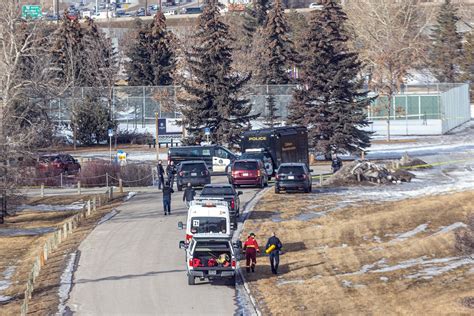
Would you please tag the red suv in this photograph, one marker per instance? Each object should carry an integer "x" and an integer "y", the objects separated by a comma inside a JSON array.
[
  {"x": 248, "y": 172},
  {"x": 57, "y": 164}
]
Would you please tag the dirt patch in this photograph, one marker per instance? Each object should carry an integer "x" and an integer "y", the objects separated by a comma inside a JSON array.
[
  {"x": 391, "y": 258},
  {"x": 20, "y": 252}
]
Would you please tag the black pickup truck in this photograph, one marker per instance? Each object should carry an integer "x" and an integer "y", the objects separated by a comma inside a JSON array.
[{"x": 225, "y": 192}]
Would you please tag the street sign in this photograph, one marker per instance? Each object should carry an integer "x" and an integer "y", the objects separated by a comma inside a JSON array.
[
  {"x": 31, "y": 12},
  {"x": 207, "y": 131},
  {"x": 111, "y": 132}
]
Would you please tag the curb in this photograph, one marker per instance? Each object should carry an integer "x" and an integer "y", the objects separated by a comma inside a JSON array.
[{"x": 248, "y": 210}]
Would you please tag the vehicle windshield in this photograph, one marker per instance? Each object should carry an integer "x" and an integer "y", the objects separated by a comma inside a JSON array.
[
  {"x": 291, "y": 169},
  {"x": 245, "y": 165},
  {"x": 217, "y": 191},
  {"x": 201, "y": 225},
  {"x": 193, "y": 167}
]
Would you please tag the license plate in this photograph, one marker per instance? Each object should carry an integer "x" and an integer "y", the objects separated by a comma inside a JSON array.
[
  {"x": 245, "y": 174},
  {"x": 193, "y": 174},
  {"x": 212, "y": 272},
  {"x": 291, "y": 177}
]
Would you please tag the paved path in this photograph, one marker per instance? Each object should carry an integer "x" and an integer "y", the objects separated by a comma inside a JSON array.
[{"x": 131, "y": 265}]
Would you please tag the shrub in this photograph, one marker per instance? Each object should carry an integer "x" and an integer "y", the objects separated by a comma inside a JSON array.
[
  {"x": 133, "y": 137},
  {"x": 465, "y": 238},
  {"x": 135, "y": 175},
  {"x": 94, "y": 173}
]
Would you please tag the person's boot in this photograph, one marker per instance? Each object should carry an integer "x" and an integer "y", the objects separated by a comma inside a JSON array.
[
  {"x": 253, "y": 268},
  {"x": 248, "y": 269}
]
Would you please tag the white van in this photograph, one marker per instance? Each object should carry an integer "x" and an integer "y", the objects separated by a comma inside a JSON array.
[{"x": 207, "y": 216}]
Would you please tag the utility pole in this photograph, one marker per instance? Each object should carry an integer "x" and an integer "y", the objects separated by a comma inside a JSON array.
[{"x": 156, "y": 136}]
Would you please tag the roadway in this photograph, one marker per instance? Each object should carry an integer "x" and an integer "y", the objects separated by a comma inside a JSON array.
[{"x": 132, "y": 265}]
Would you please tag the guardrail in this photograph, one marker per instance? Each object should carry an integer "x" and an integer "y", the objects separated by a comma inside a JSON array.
[{"x": 52, "y": 243}]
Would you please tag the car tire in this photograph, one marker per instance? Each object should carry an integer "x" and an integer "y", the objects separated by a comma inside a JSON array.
[
  {"x": 180, "y": 188},
  {"x": 310, "y": 188},
  {"x": 262, "y": 184},
  {"x": 306, "y": 190},
  {"x": 191, "y": 280},
  {"x": 277, "y": 190},
  {"x": 232, "y": 281}
]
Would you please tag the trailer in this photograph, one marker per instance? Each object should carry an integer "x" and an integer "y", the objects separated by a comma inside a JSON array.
[{"x": 282, "y": 144}]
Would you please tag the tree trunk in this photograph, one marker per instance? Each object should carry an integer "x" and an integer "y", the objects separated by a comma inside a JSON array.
[{"x": 389, "y": 110}]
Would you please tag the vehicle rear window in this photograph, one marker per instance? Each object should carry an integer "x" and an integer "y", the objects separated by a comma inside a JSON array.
[
  {"x": 217, "y": 191},
  {"x": 193, "y": 167},
  {"x": 211, "y": 245},
  {"x": 245, "y": 165},
  {"x": 208, "y": 225},
  {"x": 291, "y": 169}
]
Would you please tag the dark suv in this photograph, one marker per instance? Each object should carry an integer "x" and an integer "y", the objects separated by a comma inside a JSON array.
[
  {"x": 293, "y": 176},
  {"x": 225, "y": 192},
  {"x": 194, "y": 172}
]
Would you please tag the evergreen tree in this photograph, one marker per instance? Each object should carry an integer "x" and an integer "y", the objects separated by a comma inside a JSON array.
[
  {"x": 331, "y": 99},
  {"x": 467, "y": 66},
  {"x": 212, "y": 96},
  {"x": 152, "y": 57},
  {"x": 91, "y": 120},
  {"x": 98, "y": 58},
  {"x": 446, "y": 50},
  {"x": 271, "y": 116},
  {"x": 278, "y": 54}
]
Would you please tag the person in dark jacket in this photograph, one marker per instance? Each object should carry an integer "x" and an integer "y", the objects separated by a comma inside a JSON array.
[
  {"x": 273, "y": 248},
  {"x": 189, "y": 194},
  {"x": 336, "y": 163},
  {"x": 170, "y": 172},
  {"x": 161, "y": 174},
  {"x": 167, "y": 191}
]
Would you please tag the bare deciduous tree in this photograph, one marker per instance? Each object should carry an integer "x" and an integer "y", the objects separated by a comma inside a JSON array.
[{"x": 390, "y": 36}]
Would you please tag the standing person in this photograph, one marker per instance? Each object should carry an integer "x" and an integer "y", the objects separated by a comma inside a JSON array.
[
  {"x": 251, "y": 249},
  {"x": 167, "y": 191},
  {"x": 189, "y": 194},
  {"x": 161, "y": 174},
  {"x": 273, "y": 248},
  {"x": 170, "y": 172},
  {"x": 336, "y": 163}
]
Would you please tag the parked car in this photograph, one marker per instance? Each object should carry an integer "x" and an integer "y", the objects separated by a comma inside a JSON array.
[
  {"x": 225, "y": 192},
  {"x": 293, "y": 176},
  {"x": 248, "y": 172},
  {"x": 58, "y": 163},
  {"x": 262, "y": 155},
  {"x": 195, "y": 172}
]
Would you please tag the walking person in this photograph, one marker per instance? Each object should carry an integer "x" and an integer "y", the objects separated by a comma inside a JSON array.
[
  {"x": 336, "y": 163},
  {"x": 273, "y": 248},
  {"x": 170, "y": 172},
  {"x": 189, "y": 194},
  {"x": 161, "y": 174},
  {"x": 251, "y": 249},
  {"x": 167, "y": 191}
]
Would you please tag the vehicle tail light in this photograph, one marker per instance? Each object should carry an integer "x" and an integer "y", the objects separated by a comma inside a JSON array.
[
  {"x": 233, "y": 263},
  {"x": 304, "y": 176},
  {"x": 258, "y": 173},
  {"x": 188, "y": 237},
  {"x": 190, "y": 262},
  {"x": 205, "y": 173},
  {"x": 234, "y": 173},
  {"x": 232, "y": 204},
  {"x": 181, "y": 173},
  {"x": 277, "y": 177}
]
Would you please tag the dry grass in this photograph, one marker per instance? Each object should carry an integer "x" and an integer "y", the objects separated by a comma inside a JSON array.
[
  {"x": 21, "y": 251},
  {"x": 321, "y": 255}
]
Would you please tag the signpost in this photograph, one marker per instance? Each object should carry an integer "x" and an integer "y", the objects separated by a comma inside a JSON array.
[
  {"x": 31, "y": 12},
  {"x": 207, "y": 132},
  {"x": 111, "y": 133}
]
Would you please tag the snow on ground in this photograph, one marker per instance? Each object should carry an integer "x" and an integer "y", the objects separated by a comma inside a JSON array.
[
  {"x": 419, "y": 229},
  {"x": 51, "y": 208},
  {"x": 129, "y": 196},
  {"x": 107, "y": 216},
  {"x": 15, "y": 232},
  {"x": 5, "y": 282},
  {"x": 66, "y": 284},
  {"x": 449, "y": 228}
]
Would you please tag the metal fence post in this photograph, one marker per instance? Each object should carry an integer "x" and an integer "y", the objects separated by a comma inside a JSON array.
[
  {"x": 107, "y": 179},
  {"x": 120, "y": 185},
  {"x": 61, "y": 179}
]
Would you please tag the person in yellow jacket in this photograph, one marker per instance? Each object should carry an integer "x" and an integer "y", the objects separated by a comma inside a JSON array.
[{"x": 273, "y": 248}]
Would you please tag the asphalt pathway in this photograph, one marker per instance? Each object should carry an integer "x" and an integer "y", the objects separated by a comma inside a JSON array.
[{"x": 131, "y": 265}]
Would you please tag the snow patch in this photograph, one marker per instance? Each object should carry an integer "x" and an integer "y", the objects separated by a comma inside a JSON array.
[
  {"x": 411, "y": 233},
  {"x": 6, "y": 282},
  {"x": 49, "y": 208},
  {"x": 14, "y": 232},
  {"x": 432, "y": 270},
  {"x": 286, "y": 282},
  {"x": 66, "y": 283},
  {"x": 129, "y": 196},
  {"x": 108, "y": 216},
  {"x": 445, "y": 229}
]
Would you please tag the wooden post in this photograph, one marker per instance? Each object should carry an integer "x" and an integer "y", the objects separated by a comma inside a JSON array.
[
  {"x": 363, "y": 155},
  {"x": 94, "y": 204},
  {"x": 320, "y": 179},
  {"x": 79, "y": 187},
  {"x": 120, "y": 186},
  {"x": 42, "y": 190},
  {"x": 111, "y": 193},
  {"x": 89, "y": 208}
]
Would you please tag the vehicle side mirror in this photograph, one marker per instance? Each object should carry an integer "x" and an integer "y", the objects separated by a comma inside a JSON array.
[
  {"x": 240, "y": 193},
  {"x": 237, "y": 244},
  {"x": 310, "y": 170},
  {"x": 182, "y": 245},
  {"x": 180, "y": 225}
]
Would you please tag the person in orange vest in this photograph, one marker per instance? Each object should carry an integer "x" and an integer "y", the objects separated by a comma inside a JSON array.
[{"x": 251, "y": 249}]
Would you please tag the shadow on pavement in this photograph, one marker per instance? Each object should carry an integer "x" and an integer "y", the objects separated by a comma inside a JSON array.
[{"x": 127, "y": 276}]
